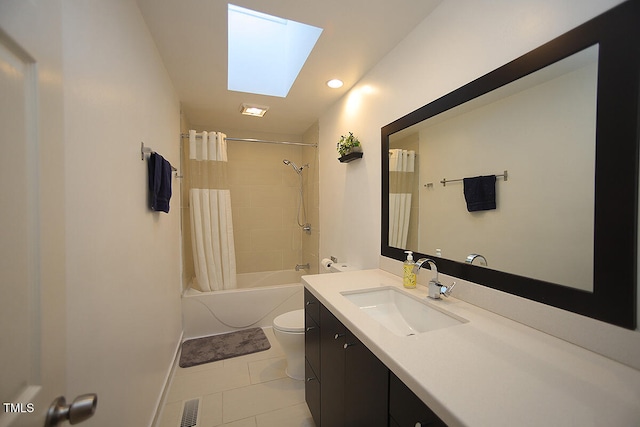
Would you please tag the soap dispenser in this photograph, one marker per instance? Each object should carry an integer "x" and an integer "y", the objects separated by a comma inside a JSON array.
[{"x": 409, "y": 279}]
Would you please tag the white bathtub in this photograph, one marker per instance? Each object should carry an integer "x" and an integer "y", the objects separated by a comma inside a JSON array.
[{"x": 210, "y": 313}]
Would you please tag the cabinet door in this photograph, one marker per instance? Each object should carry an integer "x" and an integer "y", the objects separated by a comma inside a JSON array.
[
  {"x": 406, "y": 409},
  {"x": 332, "y": 335},
  {"x": 312, "y": 393},
  {"x": 312, "y": 367},
  {"x": 366, "y": 386}
]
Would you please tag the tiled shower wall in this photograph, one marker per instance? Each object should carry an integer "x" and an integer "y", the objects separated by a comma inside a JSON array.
[
  {"x": 264, "y": 199},
  {"x": 311, "y": 242}
]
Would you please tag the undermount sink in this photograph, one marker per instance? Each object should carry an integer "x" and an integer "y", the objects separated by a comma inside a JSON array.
[{"x": 401, "y": 313}]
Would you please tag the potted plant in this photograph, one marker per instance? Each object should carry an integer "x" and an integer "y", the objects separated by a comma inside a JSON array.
[{"x": 348, "y": 144}]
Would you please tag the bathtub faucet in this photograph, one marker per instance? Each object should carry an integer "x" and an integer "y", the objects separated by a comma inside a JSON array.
[{"x": 302, "y": 266}]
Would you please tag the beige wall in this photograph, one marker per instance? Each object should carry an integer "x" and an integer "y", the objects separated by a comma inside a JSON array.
[
  {"x": 264, "y": 198},
  {"x": 311, "y": 242},
  {"x": 122, "y": 260}
]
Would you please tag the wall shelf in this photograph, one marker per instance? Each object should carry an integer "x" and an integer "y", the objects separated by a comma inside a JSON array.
[{"x": 351, "y": 157}]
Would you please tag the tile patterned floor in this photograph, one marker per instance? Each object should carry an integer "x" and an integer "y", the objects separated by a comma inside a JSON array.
[{"x": 246, "y": 391}]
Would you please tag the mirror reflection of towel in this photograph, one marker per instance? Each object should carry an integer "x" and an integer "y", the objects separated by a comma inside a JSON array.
[
  {"x": 480, "y": 193},
  {"x": 159, "y": 183}
]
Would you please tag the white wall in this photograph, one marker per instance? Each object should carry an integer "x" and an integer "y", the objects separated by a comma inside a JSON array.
[
  {"x": 123, "y": 261},
  {"x": 459, "y": 42}
]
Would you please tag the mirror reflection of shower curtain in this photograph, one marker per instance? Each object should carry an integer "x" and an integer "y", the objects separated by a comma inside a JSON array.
[
  {"x": 211, "y": 222},
  {"x": 401, "y": 172}
]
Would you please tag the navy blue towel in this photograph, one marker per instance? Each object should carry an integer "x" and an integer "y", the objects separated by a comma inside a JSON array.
[
  {"x": 159, "y": 183},
  {"x": 480, "y": 193}
]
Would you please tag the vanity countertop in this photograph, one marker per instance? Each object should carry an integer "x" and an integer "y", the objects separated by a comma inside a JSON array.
[{"x": 489, "y": 371}]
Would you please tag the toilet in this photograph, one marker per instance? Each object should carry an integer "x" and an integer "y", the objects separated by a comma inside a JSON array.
[{"x": 288, "y": 328}]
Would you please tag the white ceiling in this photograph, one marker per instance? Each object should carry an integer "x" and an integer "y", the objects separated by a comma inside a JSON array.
[{"x": 191, "y": 36}]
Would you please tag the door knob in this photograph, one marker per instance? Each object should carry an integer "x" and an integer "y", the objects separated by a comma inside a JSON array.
[{"x": 82, "y": 408}]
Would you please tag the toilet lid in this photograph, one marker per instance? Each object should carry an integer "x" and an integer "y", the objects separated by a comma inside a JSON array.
[{"x": 292, "y": 321}]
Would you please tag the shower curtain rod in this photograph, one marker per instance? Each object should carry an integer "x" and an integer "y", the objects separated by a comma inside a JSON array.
[{"x": 186, "y": 135}]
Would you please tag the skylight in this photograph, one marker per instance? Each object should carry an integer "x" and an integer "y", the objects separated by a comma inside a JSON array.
[{"x": 266, "y": 53}]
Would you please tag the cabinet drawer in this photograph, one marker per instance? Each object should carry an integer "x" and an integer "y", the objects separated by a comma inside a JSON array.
[
  {"x": 312, "y": 305},
  {"x": 406, "y": 409},
  {"x": 312, "y": 393},
  {"x": 312, "y": 343}
]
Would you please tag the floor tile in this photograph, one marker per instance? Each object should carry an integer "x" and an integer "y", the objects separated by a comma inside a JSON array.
[
  {"x": 209, "y": 381},
  {"x": 171, "y": 414},
  {"x": 247, "y": 422},
  {"x": 210, "y": 412},
  {"x": 260, "y": 398},
  {"x": 292, "y": 416},
  {"x": 262, "y": 371}
]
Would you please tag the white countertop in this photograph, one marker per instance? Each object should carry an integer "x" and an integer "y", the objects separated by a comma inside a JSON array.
[{"x": 489, "y": 371}]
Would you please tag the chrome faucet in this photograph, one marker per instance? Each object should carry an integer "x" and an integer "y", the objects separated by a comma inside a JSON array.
[
  {"x": 432, "y": 265},
  {"x": 473, "y": 257},
  {"x": 302, "y": 267},
  {"x": 435, "y": 287}
]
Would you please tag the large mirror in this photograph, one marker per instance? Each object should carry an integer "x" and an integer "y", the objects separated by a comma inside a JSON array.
[
  {"x": 552, "y": 139},
  {"x": 539, "y": 131}
]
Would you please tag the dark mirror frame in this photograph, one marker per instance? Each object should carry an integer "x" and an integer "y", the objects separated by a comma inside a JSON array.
[{"x": 613, "y": 300}]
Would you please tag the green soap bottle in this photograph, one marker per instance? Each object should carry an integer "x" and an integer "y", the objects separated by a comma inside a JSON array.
[{"x": 409, "y": 278}]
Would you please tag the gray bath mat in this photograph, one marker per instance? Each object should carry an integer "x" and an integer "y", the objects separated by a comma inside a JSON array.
[{"x": 220, "y": 347}]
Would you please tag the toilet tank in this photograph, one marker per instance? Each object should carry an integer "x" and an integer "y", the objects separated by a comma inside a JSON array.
[{"x": 339, "y": 267}]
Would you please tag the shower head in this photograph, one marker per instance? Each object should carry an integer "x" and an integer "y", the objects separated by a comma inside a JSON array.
[{"x": 293, "y": 165}]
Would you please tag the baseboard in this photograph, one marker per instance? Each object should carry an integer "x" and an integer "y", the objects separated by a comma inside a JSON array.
[{"x": 167, "y": 384}]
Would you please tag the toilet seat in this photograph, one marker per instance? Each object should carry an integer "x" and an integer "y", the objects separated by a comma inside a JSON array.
[{"x": 292, "y": 321}]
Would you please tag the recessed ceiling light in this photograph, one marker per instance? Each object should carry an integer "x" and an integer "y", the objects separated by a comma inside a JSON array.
[
  {"x": 335, "y": 83},
  {"x": 253, "y": 110}
]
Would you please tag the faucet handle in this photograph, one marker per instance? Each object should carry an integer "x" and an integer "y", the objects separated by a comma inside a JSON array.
[{"x": 448, "y": 289}]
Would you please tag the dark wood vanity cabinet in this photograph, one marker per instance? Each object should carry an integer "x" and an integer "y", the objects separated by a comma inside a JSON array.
[
  {"x": 406, "y": 409},
  {"x": 312, "y": 355},
  {"x": 332, "y": 377},
  {"x": 353, "y": 382},
  {"x": 347, "y": 385}
]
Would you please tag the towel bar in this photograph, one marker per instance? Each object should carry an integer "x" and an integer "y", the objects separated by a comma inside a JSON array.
[
  {"x": 444, "y": 181},
  {"x": 144, "y": 150}
]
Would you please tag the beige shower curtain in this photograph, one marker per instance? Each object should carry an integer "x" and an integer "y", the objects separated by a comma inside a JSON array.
[
  {"x": 211, "y": 222},
  {"x": 401, "y": 171}
]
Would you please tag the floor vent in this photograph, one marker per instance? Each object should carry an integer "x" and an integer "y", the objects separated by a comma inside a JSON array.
[{"x": 190, "y": 413}]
